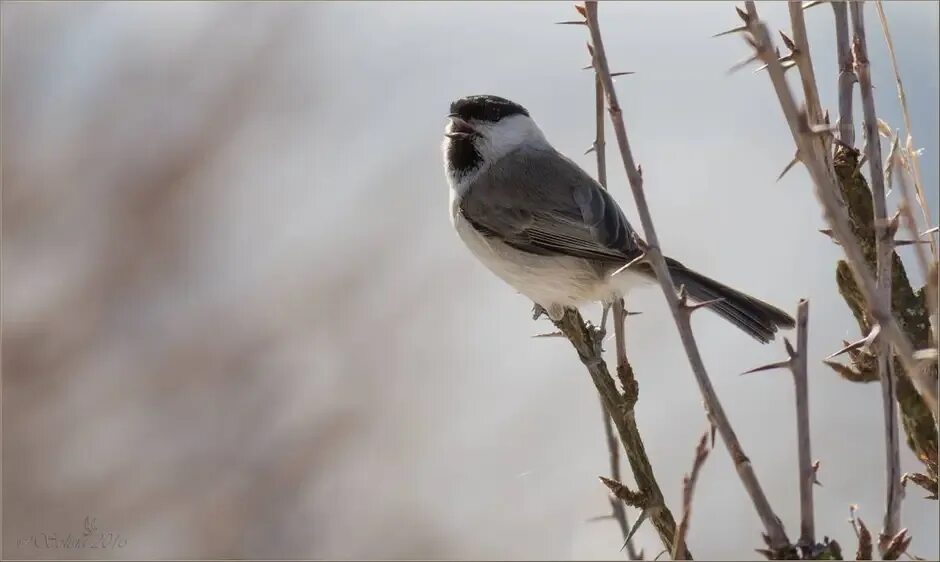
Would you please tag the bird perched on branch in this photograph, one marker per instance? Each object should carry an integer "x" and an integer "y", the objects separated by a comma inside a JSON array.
[{"x": 546, "y": 227}]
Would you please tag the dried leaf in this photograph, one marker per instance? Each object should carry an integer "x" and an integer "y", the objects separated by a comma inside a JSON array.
[
  {"x": 864, "y": 551},
  {"x": 897, "y": 545}
]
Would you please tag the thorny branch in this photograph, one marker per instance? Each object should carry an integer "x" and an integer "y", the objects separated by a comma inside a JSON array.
[
  {"x": 827, "y": 193},
  {"x": 797, "y": 363},
  {"x": 883, "y": 249},
  {"x": 771, "y": 522}
]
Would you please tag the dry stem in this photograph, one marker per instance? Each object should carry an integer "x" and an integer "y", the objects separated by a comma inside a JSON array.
[
  {"x": 914, "y": 158},
  {"x": 688, "y": 487},
  {"x": 883, "y": 250},
  {"x": 799, "y": 367},
  {"x": 846, "y": 72},
  {"x": 771, "y": 522}
]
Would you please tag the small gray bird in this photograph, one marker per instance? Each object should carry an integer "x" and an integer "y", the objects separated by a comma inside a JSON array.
[{"x": 544, "y": 226}]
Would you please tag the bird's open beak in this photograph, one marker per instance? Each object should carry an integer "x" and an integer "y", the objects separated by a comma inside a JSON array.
[{"x": 458, "y": 128}]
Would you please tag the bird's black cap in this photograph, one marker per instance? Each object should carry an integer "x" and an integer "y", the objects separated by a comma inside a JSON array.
[{"x": 485, "y": 108}]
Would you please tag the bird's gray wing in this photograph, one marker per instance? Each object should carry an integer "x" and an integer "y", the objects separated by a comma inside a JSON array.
[{"x": 540, "y": 202}]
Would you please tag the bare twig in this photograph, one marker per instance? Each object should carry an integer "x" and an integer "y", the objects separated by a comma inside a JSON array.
[
  {"x": 769, "y": 519},
  {"x": 797, "y": 363},
  {"x": 799, "y": 47},
  {"x": 688, "y": 487},
  {"x": 846, "y": 72},
  {"x": 835, "y": 214},
  {"x": 914, "y": 159},
  {"x": 883, "y": 250},
  {"x": 799, "y": 366},
  {"x": 864, "y": 550}
]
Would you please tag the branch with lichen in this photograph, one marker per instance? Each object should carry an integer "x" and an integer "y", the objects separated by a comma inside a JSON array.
[{"x": 910, "y": 308}]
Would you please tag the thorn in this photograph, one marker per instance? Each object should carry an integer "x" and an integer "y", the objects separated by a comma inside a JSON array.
[
  {"x": 658, "y": 555},
  {"x": 891, "y": 227},
  {"x": 588, "y": 67},
  {"x": 929, "y": 231},
  {"x": 615, "y": 74},
  {"x": 683, "y": 296},
  {"x": 766, "y": 538},
  {"x": 816, "y": 473},
  {"x": 787, "y": 41},
  {"x": 591, "y": 149},
  {"x": 693, "y": 307},
  {"x": 790, "y": 351},
  {"x": 572, "y": 22},
  {"x": 550, "y": 335},
  {"x": 538, "y": 310},
  {"x": 862, "y": 160},
  {"x": 581, "y": 9},
  {"x": 639, "y": 170},
  {"x": 730, "y": 31},
  {"x": 630, "y": 264},
  {"x": 640, "y": 519},
  {"x": 786, "y": 62},
  {"x": 713, "y": 429},
  {"x": 770, "y": 366},
  {"x": 808, "y": 5},
  {"x": 599, "y": 518},
  {"x": 848, "y": 347},
  {"x": 742, "y": 64},
  {"x": 898, "y": 243},
  {"x": 828, "y": 232},
  {"x": 796, "y": 158},
  {"x": 743, "y": 15},
  {"x": 823, "y": 129}
]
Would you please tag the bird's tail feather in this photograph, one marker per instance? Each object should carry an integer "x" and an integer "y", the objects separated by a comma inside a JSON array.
[{"x": 755, "y": 317}]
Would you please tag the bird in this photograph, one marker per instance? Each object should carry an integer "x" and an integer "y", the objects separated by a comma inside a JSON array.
[{"x": 543, "y": 225}]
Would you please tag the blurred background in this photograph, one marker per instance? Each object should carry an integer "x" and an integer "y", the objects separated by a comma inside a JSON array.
[{"x": 237, "y": 323}]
